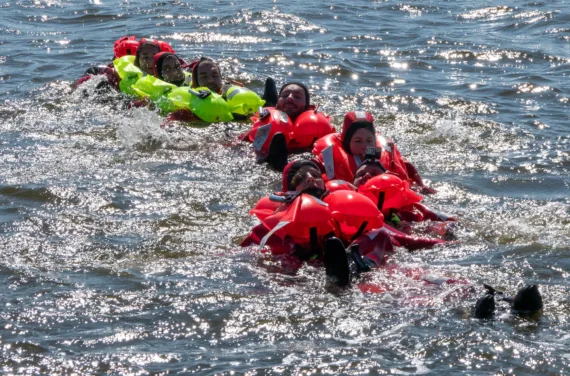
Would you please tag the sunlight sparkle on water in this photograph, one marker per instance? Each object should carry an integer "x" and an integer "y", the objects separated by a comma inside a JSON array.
[{"x": 399, "y": 65}]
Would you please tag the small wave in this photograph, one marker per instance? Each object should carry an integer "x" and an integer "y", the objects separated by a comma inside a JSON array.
[
  {"x": 491, "y": 13},
  {"x": 28, "y": 193}
]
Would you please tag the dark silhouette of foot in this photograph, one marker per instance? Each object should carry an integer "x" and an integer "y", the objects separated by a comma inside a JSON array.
[
  {"x": 270, "y": 94},
  {"x": 485, "y": 306},
  {"x": 527, "y": 299},
  {"x": 336, "y": 262},
  {"x": 278, "y": 153}
]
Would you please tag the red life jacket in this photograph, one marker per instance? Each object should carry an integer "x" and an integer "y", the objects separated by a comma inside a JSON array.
[
  {"x": 389, "y": 192},
  {"x": 341, "y": 165},
  {"x": 308, "y": 127},
  {"x": 354, "y": 213},
  {"x": 339, "y": 185}
]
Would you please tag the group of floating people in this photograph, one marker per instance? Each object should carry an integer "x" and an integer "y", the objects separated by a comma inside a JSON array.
[{"x": 347, "y": 207}]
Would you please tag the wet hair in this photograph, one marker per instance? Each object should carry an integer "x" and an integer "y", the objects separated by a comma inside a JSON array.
[
  {"x": 370, "y": 162},
  {"x": 292, "y": 168}
]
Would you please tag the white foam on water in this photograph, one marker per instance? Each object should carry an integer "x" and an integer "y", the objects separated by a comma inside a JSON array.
[{"x": 143, "y": 129}]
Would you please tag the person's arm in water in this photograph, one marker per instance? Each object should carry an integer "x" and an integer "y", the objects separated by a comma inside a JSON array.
[{"x": 416, "y": 178}]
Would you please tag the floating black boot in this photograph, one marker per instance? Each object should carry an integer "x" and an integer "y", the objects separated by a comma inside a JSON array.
[
  {"x": 336, "y": 262},
  {"x": 527, "y": 299},
  {"x": 485, "y": 306},
  {"x": 278, "y": 153},
  {"x": 270, "y": 94},
  {"x": 360, "y": 264}
]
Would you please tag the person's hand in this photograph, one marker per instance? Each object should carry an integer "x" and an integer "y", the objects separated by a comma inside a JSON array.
[
  {"x": 425, "y": 190},
  {"x": 203, "y": 94}
]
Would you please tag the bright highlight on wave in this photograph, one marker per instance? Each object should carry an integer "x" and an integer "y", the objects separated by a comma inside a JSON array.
[
  {"x": 216, "y": 37},
  {"x": 489, "y": 13}
]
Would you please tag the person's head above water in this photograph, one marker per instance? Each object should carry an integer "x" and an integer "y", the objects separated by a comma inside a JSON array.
[
  {"x": 358, "y": 133},
  {"x": 294, "y": 99},
  {"x": 144, "y": 58},
  {"x": 302, "y": 175},
  {"x": 206, "y": 73},
  {"x": 167, "y": 67},
  {"x": 145, "y": 54},
  {"x": 368, "y": 169}
]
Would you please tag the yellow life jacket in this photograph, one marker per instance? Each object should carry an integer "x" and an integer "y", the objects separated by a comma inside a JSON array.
[
  {"x": 241, "y": 100},
  {"x": 128, "y": 72},
  {"x": 212, "y": 108}
]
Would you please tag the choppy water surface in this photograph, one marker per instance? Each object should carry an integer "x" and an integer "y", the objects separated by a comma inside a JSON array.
[{"x": 118, "y": 239}]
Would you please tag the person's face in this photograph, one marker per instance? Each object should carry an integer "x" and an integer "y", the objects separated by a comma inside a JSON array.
[
  {"x": 172, "y": 70},
  {"x": 307, "y": 177},
  {"x": 146, "y": 58},
  {"x": 365, "y": 173},
  {"x": 209, "y": 76},
  {"x": 292, "y": 101},
  {"x": 361, "y": 139}
]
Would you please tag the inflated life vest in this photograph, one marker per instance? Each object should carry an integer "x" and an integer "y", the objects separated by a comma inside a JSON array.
[
  {"x": 129, "y": 45},
  {"x": 389, "y": 192},
  {"x": 154, "y": 89},
  {"x": 241, "y": 100},
  {"x": 339, "y": 185},
  {"x": 265, "y": 207},
  {"x": 354, "y": 213},
  {"x": 308, "y": 127},
  {"x": 128, "y": 73},
  {"x": 341, "y": 165},
  {"x": 211, "y": 108},
  {"x": 305, "y": 217},
  {"x": 126, "y": 46}
]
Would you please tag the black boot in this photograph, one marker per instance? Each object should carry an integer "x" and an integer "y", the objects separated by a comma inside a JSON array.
[
  {"x": 485, "y": 306},
  {"x": 278, "y": 153},
  {"x": 528, "y": 299},
  {"x": 336, "y": 262},
  {"x": 360, "y": 264},
  {"x": 270, "y": 94}
]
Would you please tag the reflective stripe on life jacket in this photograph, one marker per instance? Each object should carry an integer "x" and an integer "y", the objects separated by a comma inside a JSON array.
[
  {"x": 341, "y": 165},
  {"x": 309, "y": 126},
  {"x": 241, "y": 100}
]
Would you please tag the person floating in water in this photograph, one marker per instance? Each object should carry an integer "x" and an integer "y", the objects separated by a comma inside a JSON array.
[
  {"x": 132, "y": 59},
  {"x": 292, "y": 125},
  {"x": 305, "y": 222},
  {"x": 399, "y": 204},
  {"x": 343, "y": 153}
]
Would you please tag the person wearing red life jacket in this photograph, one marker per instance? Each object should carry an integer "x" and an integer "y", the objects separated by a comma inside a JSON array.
[
  {"x": 342, "y": 153},
  {"x": 400, "y": 205},
  {"x": 292, "y": 125},
  {"x": 302, "y": 179}
]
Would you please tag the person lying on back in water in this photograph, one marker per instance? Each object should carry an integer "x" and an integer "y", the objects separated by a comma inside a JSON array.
[{"x": 292, "y": 125}]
